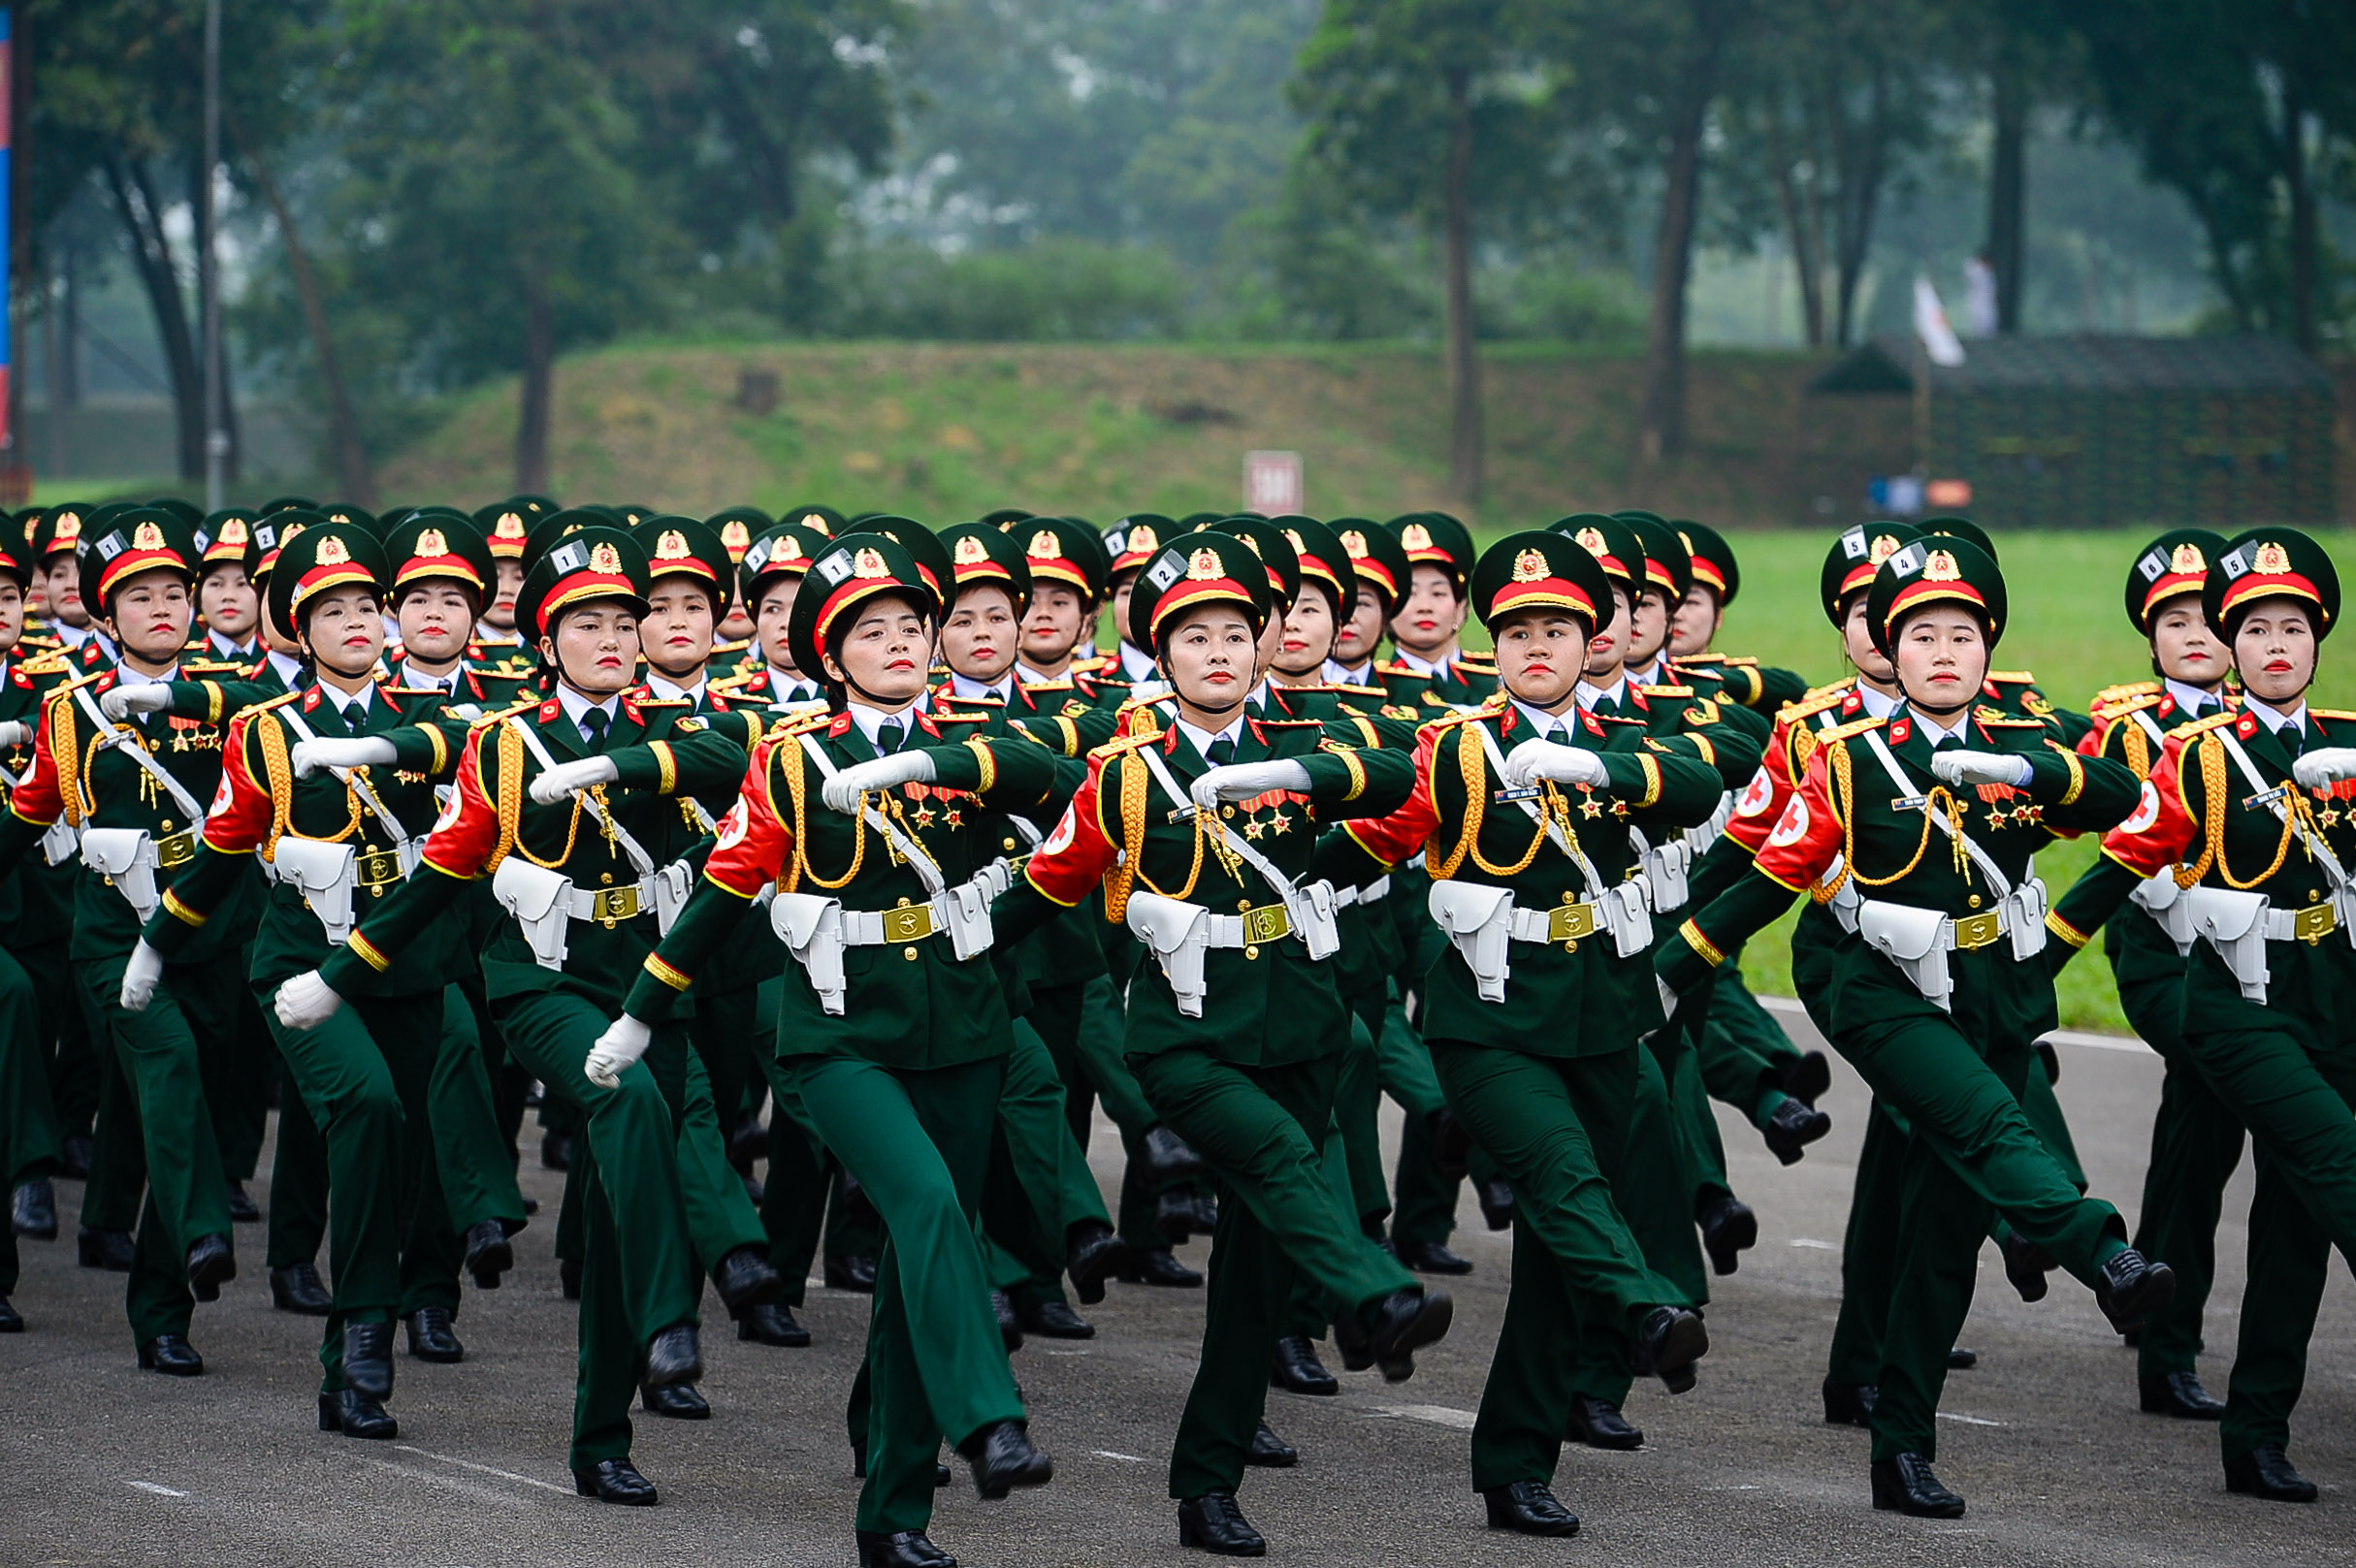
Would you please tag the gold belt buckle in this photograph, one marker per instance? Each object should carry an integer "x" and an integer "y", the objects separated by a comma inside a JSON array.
[
  {"x": 1266, "y": 923},
  {"x": 377, "y": 868},
  {"x": 1978, "y": 930},
  {"x": 1570, "y": 922},
  {"x": 2314, "y": 922},
  {"x": 614, "y": 905},
  {"x": 175, "y": 850},
  {"x": 910, "y": 922}
]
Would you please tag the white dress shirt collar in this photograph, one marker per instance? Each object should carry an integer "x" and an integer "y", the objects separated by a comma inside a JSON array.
[
  {"x": 576, "y": 707},
  {"x": 2191, "y": 700},
  {"x": 671, "y": 690},
  {"x": 872, "y": 720},
  {"x": 1616, "y": 693},
  {"x": 2275, "y": 718},
  {"x": 965, "y": 686},
  {"x": 1540, "y": 722},
  {"x": 1202, "y": 738}
]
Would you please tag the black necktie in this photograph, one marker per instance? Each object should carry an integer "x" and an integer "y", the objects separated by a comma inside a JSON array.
[
  {"x": 355, "y": 718},
  {"x": 888, "y": 736},
  {"x": 593, "y": 724},
  {"x": 1221, "y": 752}
]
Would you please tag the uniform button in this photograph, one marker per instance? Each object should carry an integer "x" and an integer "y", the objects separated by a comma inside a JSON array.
[
  {"x": 1242, "y": 905},
  {"x": 605, "y": 877},
  {"x": 167, "y": 825},
  {"x": 2313, "y": 894},
  {"x": 1251, "y": 951},
  {"x": 909, "y": 953},
  {"x": 1010, "y": 844},
  {"x": 1973, "y": 901},
  {"x": 1227, "y": 810},
  {"x": 903, "y": 904}
]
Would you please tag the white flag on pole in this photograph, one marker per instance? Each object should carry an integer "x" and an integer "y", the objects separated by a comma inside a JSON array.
[{"x": 1939, "y": 340}]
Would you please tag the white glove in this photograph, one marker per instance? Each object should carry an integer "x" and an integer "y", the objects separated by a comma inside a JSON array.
[
  {"x": 310, "y": 756},
  {"x": 624, "y": 1041},
  {"x": 14, "y": 732},
  {"x": 2324, "y": 766},
  {"x": 1243, "y": 781},
  {"x": 842, "y": 791},
  {"x": 566, "y": 777},
  {"x": 139, "y": 975},
  {"x": 147, "y": 697},
  {"x": 1532, "y": 760},
  {"x": 468, "y": 711},
  {"x": 1981, "y": 768},
  {"x": 307, "y": 1001},
  {"x": 1152, "y": 688}
]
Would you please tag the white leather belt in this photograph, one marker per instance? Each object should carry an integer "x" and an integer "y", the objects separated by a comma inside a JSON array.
[
  {"x": 609, "y": 907},
  {"x": 1373, "y": 892},
  {"x": 893, "y": 928},
  {"x": 1565, "y": 922},
  {"x": 2312, "y": 924},
  {"x": 1268, "y": 923}
]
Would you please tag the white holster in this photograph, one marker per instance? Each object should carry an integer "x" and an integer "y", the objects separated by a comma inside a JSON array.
[
  {"x": 1178, "y": 933},
  {"x": 2168, "y": 905},
  {"x": 965, "y": 909},
  {"x": 1915, "y": 939},
  {"x": 127, "y": 856},
  {"x": 60, "y": 844},
  {"x": 672, "y": 885},
  {"x": 538, "y": 900},
  {"x": 1479, "y": 922},
  {"x": 324, "y": 874},
  {"x": 1310, "y": 906},
  {"x": 811, "y": 929},
  {"x": 2234, "y": 923},
  {"x": 1667, "y": 871}
]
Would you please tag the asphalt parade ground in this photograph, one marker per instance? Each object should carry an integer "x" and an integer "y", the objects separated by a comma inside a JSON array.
[{"x": 100, "y": 1463}]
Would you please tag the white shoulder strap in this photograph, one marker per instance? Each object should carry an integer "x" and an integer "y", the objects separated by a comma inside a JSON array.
[
  {"x": 1996, "y": 878},
  {"x": 2272, "y": 796},
  {"x": 293, "y": 720},
  {"x": 1184, "y": 798},
  {"x": 1530, "y": 809},
  {"x": 928, "y": 870},
  {"x": 640, "y": 861},
  {"x": 123, "y": 738}
]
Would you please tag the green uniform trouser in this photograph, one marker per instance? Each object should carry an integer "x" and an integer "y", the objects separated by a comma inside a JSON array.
[
  {"x": 2296, "y": 1104},
  {"x": 639, "y": 1270},
  {"x": 162, "y": 1051},
  {"x": 919, "y": 1142},
  {"x": 719, "y": 1213},
  {"x": 1743, "y": 1049},
  {"x": 239, "y": 1066},
  {"x": 1869, "y": 1250},
  {"x": 61, "y": 1033},
  {"x": 2196, "y": 1144},
  {"x": 1352, "y": 1157},
  {"x": 1081, "y": 1027},
  {"x": 1039, "y": 1184},
  {"x": 1262, "y": 1131},
  {"x": 1557, "y": 1127},
  {"x": 118, "y": 1162},
  {"x": 299, "y": 1179},
  {"x": 1972, "y": 1155},
  {"x": 28, "y": 1122},
  {"x": 1425, "y": 1210}
]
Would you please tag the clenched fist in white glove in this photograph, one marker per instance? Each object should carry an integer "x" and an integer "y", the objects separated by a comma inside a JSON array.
[
  {"x": 147, "y": 697},
  {"x": 1981, "y": 768},
  {"x": 624, "y": 1041},
  {"x": 1532, "y": 760},
  {"x": 14, "y": 732},
  {"x": 140, "y": 975},
  {"x": 566, "y": 777},
  {"x": 842, "y": 792},
  {"x": 1246, "y": 781},
  {"x": 307, "y": 1001},
  {"x": 310, "y": 756},
  {"x": 2324, "y": 766}
]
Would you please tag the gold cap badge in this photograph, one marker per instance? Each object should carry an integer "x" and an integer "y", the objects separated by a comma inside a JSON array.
[
  {"x": 333, "y": 552},
  {"x": 430, "y": 542},
  {"x": 2187, "y": 559},
  {"x": 1042, "y": 546},
  {"x": 1529, "y": 566},
  {"x": 1415, "y": 537},
  {"x": 870, "y": 564},
  {"x": 971, "y": 550},
  {"x": 672, "y": 545},
  {"x": 1938, "y": 566},
  {"x": 1204, "y": 566},
  {"x": 147, "y": 536},
  {"x": 2271, "y": 558},
  {"x": 604, "y": 558}
]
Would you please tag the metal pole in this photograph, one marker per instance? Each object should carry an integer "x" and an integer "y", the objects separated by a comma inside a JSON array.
[{"x": 207, "y": 266}]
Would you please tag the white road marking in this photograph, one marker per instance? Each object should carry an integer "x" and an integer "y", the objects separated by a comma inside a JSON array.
[
  {"x": 484, "y": 1469},
  {"x": 1968, "y": 1420},
  {"x": 1814, "y": 1245},
  {"x": 160, "y": 1491},
  {"x": 2060, "y": 1037},
  {"x": 1447, "y": 1415},
  {"x": 1107, "y": 1453}
]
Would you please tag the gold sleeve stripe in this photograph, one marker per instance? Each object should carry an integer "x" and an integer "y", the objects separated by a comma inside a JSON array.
[
  {"x": 2065, "y": 930},
  {"x": 368, "y": 953},
  {"x": 668, "y": 763},
  {"x": 212, "y": 701},
  {"x": 1071, "y": 735},
  {"x": 441, "y": 748},
  {"x": 180, "y": 911},
  {"x": 1701, "y": 944},
  {"x": 1349, "y": 760},
  {"x": 665, "y": 973},
  {"x": 990, "y": 765},
  {"x": 2077, "y": 777},
  {"x": 1651, "y": 778}
]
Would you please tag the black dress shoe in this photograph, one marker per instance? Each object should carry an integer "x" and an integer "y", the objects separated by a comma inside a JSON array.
[
  {"x": 746, "y": 1279},
  {"x": 674, "y": 1355},
  {"x": 2179, "y": 1394},
  {"x": 1094, "y": 1254},
  {"x": 1214, "y": 1523},
  {"x": 569, "y": 1277},
  {"x": 172, "y": 1356},
  {"x": 1163, "y": 1158},
  {"x": 2132, "y": 1336},
  {"x": 1295, "y": 1369},
  {"x": 556, "y": 1153},
  {"x": 298, "y": 1288},
  {"x": 74, "y": 1156},
  {"x": 1451, "y": 1143},
  {"x": 772, "y": 1324},
  {"x": 355, "y": 1415},
  {"x": 1599, "y": 1425},
  {"x": 1174, "y": 1217},
  {"x": 531, "y": 1204},
  {"x": 243, "y": 1209},
  {"x": 2265, "y": 1471},
  {"x": 367, "y": 1358},
  {"x": 852, "y": 1273},
  {"x": 1959, "y": 1359},
  {"x": 1400, "y": 1324},
  {"x": 1848, "y": 1404},
  {"x": 1728, "y": 1229},
  {"x": 1807, "y": 1076},
  {"x": 35, "y": 1213},
  {"x": 1270, "y": 1451},
  {"x": 1671, "y": 1340},
  {"x": 1433, "y": 1257},
  {"x": 748, "y": 1143},
  {"x": 489, "y": 1252},
  {"x": 615, "y": 1480},
  {"x": 1205, "y": 1213},
  {"x": 211, "y": 1264},
  {"x": 109, "y": 1250},
  {"x": 903, "y": 1549},
  {"x": 1904, "y": 1483},
  {"x": 1002, "y": 1458},
  {"x": 1496, "y": 1198},
  {"x": 1010, "y": 1327},
  {"x": 1156, "y": 1266},
  {"x": 431, "y": 1338},
  {"x": 1529, "y": 1508},
  {"x": 2026, "y": 1264},
  {"x": 1794, "y": 1126},
  {"x": 12, "y": 1321},
  {"x": 2132, "y": 1288},
  {"x": 679, "y": 1401},
  {"x": 1054, "y": 1320}
]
